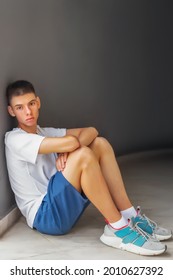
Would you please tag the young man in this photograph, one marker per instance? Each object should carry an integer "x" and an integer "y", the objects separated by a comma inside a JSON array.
[{"x": 56, "y": 173}]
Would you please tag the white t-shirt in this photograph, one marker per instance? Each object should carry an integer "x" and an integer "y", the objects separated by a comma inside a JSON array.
[{"x": 30, "y": 172}]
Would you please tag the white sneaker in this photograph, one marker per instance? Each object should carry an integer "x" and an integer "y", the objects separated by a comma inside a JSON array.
[
  {"x": 132, "y": 239},
  {"x": 151, "y": 227}
]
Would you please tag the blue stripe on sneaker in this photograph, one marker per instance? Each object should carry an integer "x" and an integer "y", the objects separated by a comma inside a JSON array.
[
  {"x": 140, "y": 241},
  {"x": 123, "y": 232},
  {"x": 130, "y": 236},
  {"x": 143, "y": 224}
]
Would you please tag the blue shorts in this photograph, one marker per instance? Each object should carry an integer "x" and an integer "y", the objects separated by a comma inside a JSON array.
[{"x": 61, "y": 207}]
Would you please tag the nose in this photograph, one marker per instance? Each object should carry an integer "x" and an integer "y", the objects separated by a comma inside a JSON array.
[{"x": 27, "y": 110}]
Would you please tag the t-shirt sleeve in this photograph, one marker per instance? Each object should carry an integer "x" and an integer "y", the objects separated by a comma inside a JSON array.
[
  {"x": 53, "y": 132},
  {"x": 24, "y": 146}
]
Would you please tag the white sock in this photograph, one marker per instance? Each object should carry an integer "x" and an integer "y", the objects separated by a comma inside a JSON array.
[
  {"x": 119, "y": 224},
  {"x": 129, "y": 213}
]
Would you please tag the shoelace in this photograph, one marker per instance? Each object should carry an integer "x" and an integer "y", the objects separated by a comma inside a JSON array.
[
  {"x": 151, "y": 223},
  {"x": 141, "y": 231}
]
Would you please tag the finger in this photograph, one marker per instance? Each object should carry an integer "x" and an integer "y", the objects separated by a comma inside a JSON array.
[
  {"x": 59, "y": 162},
  {"x": 58, "y": 165},
  {"x": 62, "y": 161},
  {"x": 65, "y": 157}
]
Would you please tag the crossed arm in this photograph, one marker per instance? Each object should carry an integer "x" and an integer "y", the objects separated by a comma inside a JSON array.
[{"x": 74, "y": 139}]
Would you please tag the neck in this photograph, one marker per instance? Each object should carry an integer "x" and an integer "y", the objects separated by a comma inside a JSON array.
[{"x": 32, "y": 129}]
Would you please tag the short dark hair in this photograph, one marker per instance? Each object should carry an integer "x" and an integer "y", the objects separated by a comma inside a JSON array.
[{"x": 17, "y": 88}]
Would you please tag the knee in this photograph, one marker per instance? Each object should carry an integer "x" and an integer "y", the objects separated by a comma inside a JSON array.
[
  {"x": 85, "y": 156},
  {"x": 101, "y": 143},
  {"x": 86, "y": 153},
  {"x": 101, "y": 147}
]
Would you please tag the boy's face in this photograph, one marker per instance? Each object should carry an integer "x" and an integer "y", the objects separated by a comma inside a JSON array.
[{"x": 26, "y": 110}]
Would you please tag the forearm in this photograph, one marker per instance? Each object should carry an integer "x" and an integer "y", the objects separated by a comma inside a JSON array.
[
  {"x": 58, "y": 144},
  {"x": 87, "y": 135}
]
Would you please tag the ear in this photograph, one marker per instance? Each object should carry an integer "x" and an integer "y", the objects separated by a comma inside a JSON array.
[
  {"x": 10, "y": 111},
  {"x": 38, "y": 102}
]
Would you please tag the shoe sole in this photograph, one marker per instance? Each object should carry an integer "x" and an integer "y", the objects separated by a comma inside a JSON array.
[
  {"x": 162, "y": 237},
  {"x": 117, "y": 243}
]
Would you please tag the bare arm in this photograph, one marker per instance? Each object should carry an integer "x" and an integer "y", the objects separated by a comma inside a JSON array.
[
  {"x": 84, "y": 135},
  {"x": 58, "y": 144}
]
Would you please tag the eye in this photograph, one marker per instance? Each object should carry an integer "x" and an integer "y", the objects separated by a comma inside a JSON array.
[
  {"x": 32, "y": 103},
  {"x": 19, "y": 108}
]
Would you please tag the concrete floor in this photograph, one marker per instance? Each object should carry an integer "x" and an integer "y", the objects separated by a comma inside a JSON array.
[{"x": 149, "y": 181}]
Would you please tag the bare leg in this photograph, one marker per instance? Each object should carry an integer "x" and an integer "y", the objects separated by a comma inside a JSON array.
[
  {"x": 84, "y": 173},
  {"x": 110, "y": 170}
]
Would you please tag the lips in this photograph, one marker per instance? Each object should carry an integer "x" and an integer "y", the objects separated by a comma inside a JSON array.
[{"x": 30, "y": 119}]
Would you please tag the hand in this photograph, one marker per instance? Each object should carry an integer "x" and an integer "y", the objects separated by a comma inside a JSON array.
[{"x": 61, "y": 161}]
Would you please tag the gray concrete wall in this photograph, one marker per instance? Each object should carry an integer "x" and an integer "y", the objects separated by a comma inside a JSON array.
[
  {"x": 102, "y": 63},
  {"x": 28, "y": 47}
]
